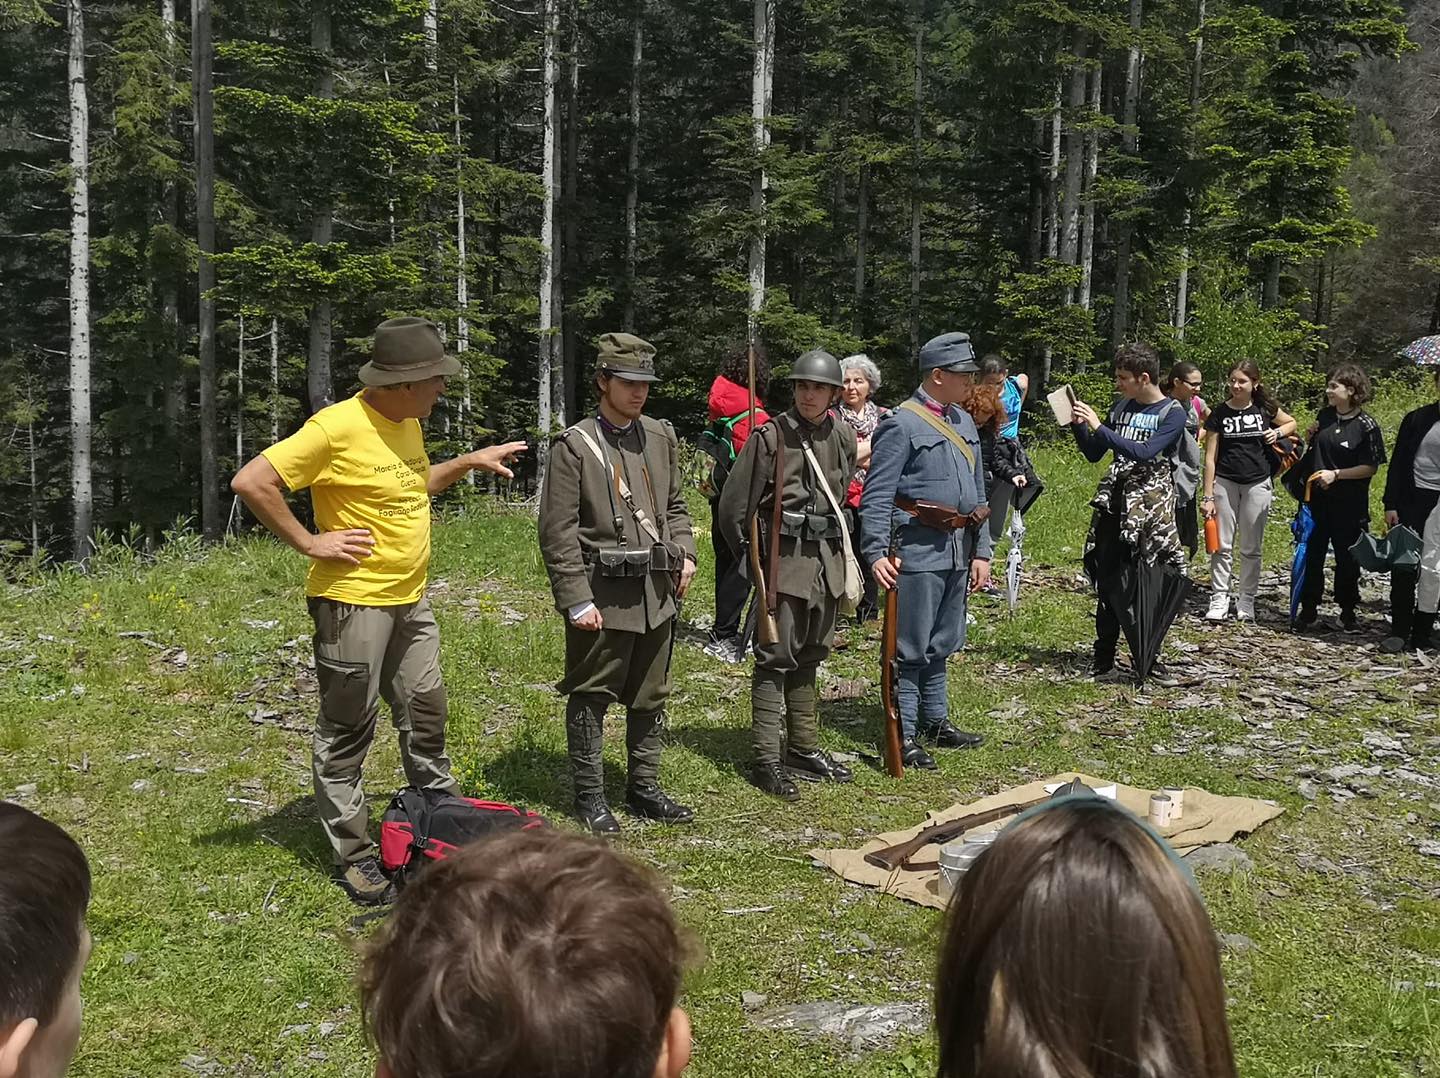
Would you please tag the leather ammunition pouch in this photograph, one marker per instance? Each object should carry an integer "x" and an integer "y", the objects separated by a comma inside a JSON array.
[
  {"x": 941, "y": 516},
  {"x": 639, "y": 562},
  {"x": 809, "y": 525}
]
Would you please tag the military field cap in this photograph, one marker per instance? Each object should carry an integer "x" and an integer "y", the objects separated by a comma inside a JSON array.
[
  {"x": 627, "y": 356},
  {"x": 950, "y": 352},
  {"x": 407, "y": 350}
]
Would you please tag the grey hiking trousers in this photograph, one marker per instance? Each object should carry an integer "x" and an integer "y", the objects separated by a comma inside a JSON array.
[{"x": 361, "y": 654}]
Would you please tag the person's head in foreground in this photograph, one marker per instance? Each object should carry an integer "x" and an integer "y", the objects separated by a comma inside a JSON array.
[
  {"x": 537, "y": 953},
  {"x": 44, "y": 945},
  {"x": 1077, "y": 945}
]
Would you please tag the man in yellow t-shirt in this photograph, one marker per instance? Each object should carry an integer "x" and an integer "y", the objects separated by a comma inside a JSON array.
[{"x": 370, "y": 481}]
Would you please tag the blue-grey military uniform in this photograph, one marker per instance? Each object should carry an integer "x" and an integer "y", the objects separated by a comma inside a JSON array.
[{"x": 911, "y": 458}]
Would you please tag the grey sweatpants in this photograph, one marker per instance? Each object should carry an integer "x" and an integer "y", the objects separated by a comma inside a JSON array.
[
  {"x": 1241, "y": 509},
  {"x": 362, "y": 653}
]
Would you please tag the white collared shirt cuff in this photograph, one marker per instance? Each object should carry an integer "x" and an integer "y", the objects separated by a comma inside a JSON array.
[{"x": 579, "y": 610}]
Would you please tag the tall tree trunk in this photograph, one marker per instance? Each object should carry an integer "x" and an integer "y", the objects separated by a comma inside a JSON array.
[
  {"x": 550, "y": 17},
  {"x": 761, "y": 82},
  {"x": 33, "y": 454},
  {"x": 81, "y": 490},
  {"x": 632, "y": 187},
  {"x": 916, "y": 153},
  {"x": 202, "y": 59},
  {"x": 172, "y": 368},
  {"x": 1036, "y": 232},
  {"x": 1182, "y": 287},
  {"x": 462, "y": 276},
  {"x": 1129, "y": 145},
  {"x": 240, "y": 394},
  {"x": 1270, "y": 297},
  {"x": 274, "y": 380},
  {"x": 430, "y": 28},
  {"x": 1074, "y": 153},
  {"x": 571, "y": 262},
  {"x": 862, "y": 227},
  {"x": 1057, "y": 127},
  {"x": 1092, "y": 164},
  {"x": 317, "y": 374}
]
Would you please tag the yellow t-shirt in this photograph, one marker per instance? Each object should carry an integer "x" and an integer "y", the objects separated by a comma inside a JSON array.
[{"x": 363, "y": 471}]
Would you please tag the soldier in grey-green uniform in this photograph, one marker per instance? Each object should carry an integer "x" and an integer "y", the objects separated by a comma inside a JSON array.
[
  {"x": 806, "y": 572},
  {"x": 616, "y": 539}
]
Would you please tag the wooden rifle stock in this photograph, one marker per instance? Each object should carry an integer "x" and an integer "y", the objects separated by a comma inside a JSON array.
[
  {"x": 896, "y": 857},
  {"x": 894, "y": 765},
  {"x": 766, "y": 631}
]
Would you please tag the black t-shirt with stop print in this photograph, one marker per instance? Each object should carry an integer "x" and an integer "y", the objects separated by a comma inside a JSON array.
[{"x": 1242, "y": 456}]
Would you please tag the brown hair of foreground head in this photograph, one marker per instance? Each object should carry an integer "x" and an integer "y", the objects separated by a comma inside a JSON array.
[
  {"x": 1077, "y": 948},
  {"x": 539, "y": 953}
]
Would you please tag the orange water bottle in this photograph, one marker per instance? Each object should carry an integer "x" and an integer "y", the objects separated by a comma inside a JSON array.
[{"x": 1212, "y": 535}]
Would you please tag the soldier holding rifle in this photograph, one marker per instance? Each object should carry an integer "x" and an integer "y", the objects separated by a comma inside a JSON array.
[
  {"x": 617, "y": 544},
  {"x": 781, "y": 477},
  {"x": 920, "y": 516}
]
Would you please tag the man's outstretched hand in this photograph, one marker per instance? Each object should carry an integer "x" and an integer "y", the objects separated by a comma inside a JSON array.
[{"x": 495, "y": 458}]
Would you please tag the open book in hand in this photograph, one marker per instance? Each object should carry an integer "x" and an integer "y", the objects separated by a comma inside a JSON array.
[{"x": 1062, "y": 403}]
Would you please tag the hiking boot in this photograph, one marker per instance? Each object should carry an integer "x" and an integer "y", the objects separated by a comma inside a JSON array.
[
  {"x": 365, "y": 882},
  {"x": 1349, "y": 621},
  {"x": 1306, "y": 618},
  {"x": 913, "y": 755},
  {"x": 770, "y": 778},
  {"x": 946, "y": 736},
  {"x": 593, "y": 811},
  {"x": 817, "y": 766},
  {"x": 726, "y": 649},
  {"x": 1111, "y": 675},
  {"x": 1161, "y": 675},
  {"x": 653, "y": 803},
  {"x": 1219, "y": 608}
]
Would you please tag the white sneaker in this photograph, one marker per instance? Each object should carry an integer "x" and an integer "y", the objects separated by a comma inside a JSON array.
[
  {"x": 1245, "y": 608},
  {"x": 1219, "y": 607}
]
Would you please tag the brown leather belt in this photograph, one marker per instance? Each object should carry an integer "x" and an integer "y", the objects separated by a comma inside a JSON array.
[{"x": 941, "y": 516}]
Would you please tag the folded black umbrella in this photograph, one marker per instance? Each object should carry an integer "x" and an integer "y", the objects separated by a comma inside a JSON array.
[
  {"x": 1146, "y": 600},
  {"x": 1025, "y": 496}
]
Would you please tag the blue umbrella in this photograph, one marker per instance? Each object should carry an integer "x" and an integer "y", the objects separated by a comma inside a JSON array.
[{"x": 1302, "y": 527}]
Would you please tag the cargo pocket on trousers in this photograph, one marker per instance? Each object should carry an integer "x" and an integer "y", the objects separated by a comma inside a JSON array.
[{"x": 344, "y": 690}]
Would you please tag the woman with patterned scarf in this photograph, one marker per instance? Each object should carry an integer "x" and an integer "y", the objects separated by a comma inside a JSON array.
[
  {"x": 1134, "y": 517},
  {"x": 858, "y": 408}
]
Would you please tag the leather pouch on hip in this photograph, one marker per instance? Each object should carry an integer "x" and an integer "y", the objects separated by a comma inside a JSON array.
[{"x": 632, "y": 563}]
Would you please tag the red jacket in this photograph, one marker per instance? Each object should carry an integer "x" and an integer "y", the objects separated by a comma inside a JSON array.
[{"x": 726, "y": 400}]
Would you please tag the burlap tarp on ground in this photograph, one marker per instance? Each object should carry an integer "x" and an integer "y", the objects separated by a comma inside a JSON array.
[{"x": 1208, "y": 818}]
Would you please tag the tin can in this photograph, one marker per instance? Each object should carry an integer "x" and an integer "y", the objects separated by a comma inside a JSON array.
[
  {"x": 956, "y": 859},
  {"x": 1176, "y": 794},
  {"x": 1161, "y": 808}
]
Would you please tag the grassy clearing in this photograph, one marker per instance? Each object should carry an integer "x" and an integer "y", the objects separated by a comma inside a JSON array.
[{"x": 180, "y": 758}]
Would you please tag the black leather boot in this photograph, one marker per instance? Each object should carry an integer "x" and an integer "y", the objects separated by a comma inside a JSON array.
[
  {"x": 912, "y": 754},
  {"x": 770, "y": 778},
  {"x": 653, "y": 803},
  {"x": 946, "y": 736},
  {"x": 816, "y": 766},
  {"x": 592, "y": 811},
  {"x": 1422, "y": 628}
]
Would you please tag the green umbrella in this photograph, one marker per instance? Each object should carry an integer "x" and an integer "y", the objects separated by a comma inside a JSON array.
[{"x": 1399, "y": 548}]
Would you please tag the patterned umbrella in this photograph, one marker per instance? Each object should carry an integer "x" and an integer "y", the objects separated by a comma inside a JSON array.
[
  {"x": 1423, "y": 353},
  {"x": 1012, "y": 561}
]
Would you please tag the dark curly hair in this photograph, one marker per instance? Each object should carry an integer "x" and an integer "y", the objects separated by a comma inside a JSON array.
[
  {"x": 1353, "y": 378},
  {"x": 736, "y": 366}
]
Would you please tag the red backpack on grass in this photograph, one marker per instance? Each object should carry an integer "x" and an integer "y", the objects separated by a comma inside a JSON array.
[{"x": 421, "y": 826}]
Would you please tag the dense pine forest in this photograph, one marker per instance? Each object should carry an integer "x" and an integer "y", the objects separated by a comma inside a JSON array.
[{"x": 204, "y": 211}]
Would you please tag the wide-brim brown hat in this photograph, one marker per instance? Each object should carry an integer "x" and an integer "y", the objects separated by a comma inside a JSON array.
[{"x": 407, "y": 350}]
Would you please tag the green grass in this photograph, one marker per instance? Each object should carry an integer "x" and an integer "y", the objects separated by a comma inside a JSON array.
[{"x": 220, "y": 941}]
